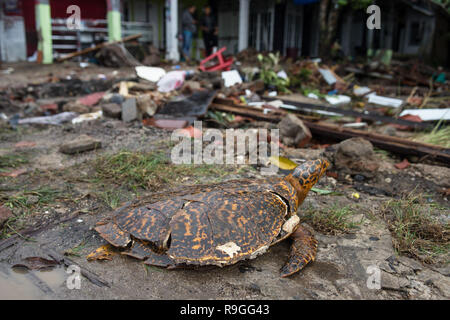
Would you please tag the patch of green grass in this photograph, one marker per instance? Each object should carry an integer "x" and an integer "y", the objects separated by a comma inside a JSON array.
[
  {"x": 149, "y": 170},
  {"x": 30, "y": 198},
  {"x": 332, "y": 220},
  {"x": 110, "y": 197},
  {"x": 25, "y": 201},
  {"x": 415, "y": 231},
  {"x": 383, "y": 154},
  {"x": 12, "y": 160},
  {"x": 76, "y": 251},
  {"x": 439, "y": 137}
]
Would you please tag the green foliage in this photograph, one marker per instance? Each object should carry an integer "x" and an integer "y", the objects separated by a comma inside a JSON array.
[
  {"x": 148, "y": 171},
  {"x": 12, "y": 160},
  {"x": 222, "y": 118},
  {"x": 440, "y": 137},
  {"x": 269, "y": 68},
  {"x": 332, "y": 220},
  {"x": 415, "y": 229}
]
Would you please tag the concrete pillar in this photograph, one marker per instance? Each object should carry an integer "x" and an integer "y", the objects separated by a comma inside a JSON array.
[
  {"x": 44, "y": 30},
  {"x": 114, "y": 21},
  {"x": 172, "y": 52},
  {"x": 244, "y": 8}
]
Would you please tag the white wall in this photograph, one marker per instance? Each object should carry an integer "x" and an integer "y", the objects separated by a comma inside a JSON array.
[{"x": 12, "y": 39}]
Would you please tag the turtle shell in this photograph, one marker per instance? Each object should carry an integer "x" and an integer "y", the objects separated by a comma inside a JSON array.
[{"x": 214, "y": 224}]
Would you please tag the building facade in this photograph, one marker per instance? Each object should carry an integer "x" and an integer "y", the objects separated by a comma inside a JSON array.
[{"x": 291, "y": 27}]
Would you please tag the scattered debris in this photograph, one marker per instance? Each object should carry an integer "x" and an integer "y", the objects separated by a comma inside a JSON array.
[
  {"x": 293, "y": 132},
  {"x": 97, "y": 47},
  {"x": 384, "y": 101},
  {"x": 356, "y": 156},
  {"x": 88, "y": 117},
  {"x": 115, "y": 56},
  {"x": 428, "y": 114},
  {"x": 153, "y": 74},
  {"x": 402, "y": 165},
  {"x": 231, "y": 78},
  {"x": 56, "y": 119},
  {"x": 129, "y": 109},
  {"x": 171, "y": 81},
  {"x": 80, "y": 144},
  {"x": 112, "y": 110},
  {"x": 37, "y": 263}
]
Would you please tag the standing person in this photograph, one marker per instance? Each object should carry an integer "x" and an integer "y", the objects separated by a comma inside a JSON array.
[
  {"x": 188, "y": 26},
  {"x": 210, "y": 31}
]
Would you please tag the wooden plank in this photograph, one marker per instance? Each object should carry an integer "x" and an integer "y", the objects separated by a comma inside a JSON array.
[
  {"x": 337, "y": 133},
  {"x": 363, "y": 115},
  {"x": 97, "y": 47}
]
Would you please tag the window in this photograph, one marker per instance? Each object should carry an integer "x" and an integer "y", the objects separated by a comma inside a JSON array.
[{"x": 416, "y": 33}]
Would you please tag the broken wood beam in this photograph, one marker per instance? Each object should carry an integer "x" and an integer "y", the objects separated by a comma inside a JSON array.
[
  {"x": 97, "y": 47},
  {"x": 363, "y": 115},
  {"x": 337, "y": 133},
  {"x": 392, "y": 144}
]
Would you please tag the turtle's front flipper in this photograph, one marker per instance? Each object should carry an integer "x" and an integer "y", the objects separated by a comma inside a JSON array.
[{"x": 303, "y": 250}]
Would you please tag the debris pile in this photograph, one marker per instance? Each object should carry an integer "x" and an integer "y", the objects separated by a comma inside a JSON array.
[{"x": 314, "y": 103}]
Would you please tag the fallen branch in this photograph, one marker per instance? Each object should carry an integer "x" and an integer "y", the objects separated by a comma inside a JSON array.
[{"x": 97, "y": 47}]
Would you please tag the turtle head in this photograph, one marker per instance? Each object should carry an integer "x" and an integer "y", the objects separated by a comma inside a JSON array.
[{"x": 305, "y": 176}]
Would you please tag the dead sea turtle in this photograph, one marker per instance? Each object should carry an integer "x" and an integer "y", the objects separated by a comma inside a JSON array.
[{"x": 220, "y": 224}]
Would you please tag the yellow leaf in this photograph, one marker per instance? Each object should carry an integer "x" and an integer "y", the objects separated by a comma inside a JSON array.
[
  {"x": 283, "y": 163},
  {"x": 355, "y": 195}
]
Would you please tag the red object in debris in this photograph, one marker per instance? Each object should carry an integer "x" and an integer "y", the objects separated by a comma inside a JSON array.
[
  {"x": 13, "y": 174},
  {"x": 191, "y": 132},
  {"x": 53, "y": 108},
  {"x": 91, "y": 99},
  {"x": 320, "y": 146},
  {"x": 332, "y": 174},
  {"x": 402, "y": 165},
  {"x": 165, "y": 123},
  {"x": 25, "y": 144},
  {"x": 223, "y": 64},
  {"x": 409, "y": 117}
]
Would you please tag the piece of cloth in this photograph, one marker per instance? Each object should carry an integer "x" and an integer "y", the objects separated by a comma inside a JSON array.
[
  {"x": 188, "y": 22},
  {"x": 187, "y": 43}
]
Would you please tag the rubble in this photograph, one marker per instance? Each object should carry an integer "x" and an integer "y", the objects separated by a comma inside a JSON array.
[
  {"x": 293, "y": 132},
  {"x": 80, "y": 144},
  {"x": 382, "y": 102},
  {"x": 129, "y": 109},
  {"x": 112, "y": 110},
  {"x": 356, "y": 157}
]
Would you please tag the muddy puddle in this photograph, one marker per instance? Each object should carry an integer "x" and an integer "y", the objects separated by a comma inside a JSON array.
[{"x": 20, "y": 283}]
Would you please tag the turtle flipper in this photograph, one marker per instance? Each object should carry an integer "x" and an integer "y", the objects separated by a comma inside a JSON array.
[{"x": 303, "y": 250}]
